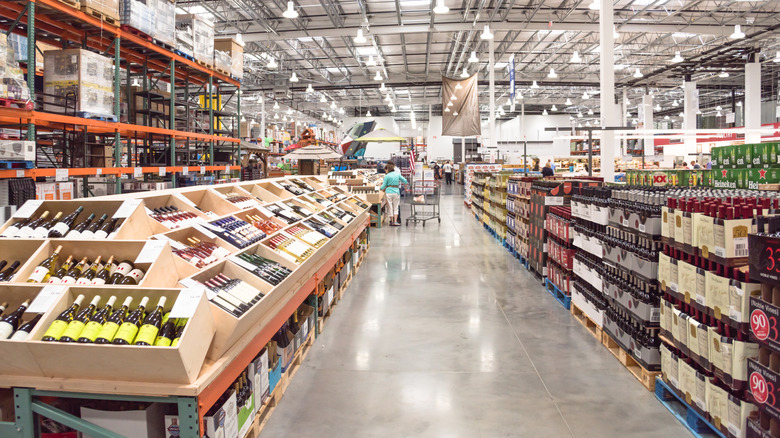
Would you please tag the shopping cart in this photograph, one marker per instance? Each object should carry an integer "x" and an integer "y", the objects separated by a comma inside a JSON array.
[{"x": 424, "y": 200}]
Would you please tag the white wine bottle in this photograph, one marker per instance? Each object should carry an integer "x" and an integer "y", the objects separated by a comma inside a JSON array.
[
  {"x": 10, "y": 322},
  {"x": 23, "y": 332},
  {"x": 147, "y": 334},
  {"x": 61, "y": 228},
  {"x": 129, "y": 328},
  {"x": 86, "y": 277},
  {"x": 75, "y": 232},
  {"x": 27, "y": 230},
  {"x": 43, "y": 230},
  {"x": 56, "y": 278},
  {"x": 104, "y": 274},
  {"x": 42, "y": 273},
  {"x": 92, "y": 329},
  {"x": 77, "y": 324},
  {"x": 59, "y": 325},
  {"x": 110, "y": 327},
  {"x": 74, "y": 272},
  {"x": 13, "y": 230}
]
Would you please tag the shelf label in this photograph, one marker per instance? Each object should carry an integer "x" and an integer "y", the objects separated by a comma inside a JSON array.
[
  {"x": 227, "y": 168},
  {"x": 127, "y": 208},
  {"x": 98, "y": 171},
  {"x": 185, "y": 170},
  {"x": 202, "y": 169},
  {"x": 46, "y": 298},
  {"x": 61, "y": 174},
  {"x": 138, "y": 172},
  {"x": 206, "y": 232},
  {"x": 20, "y": 173},
  {"x": 150, "y": 251},
  {"x": 28, "y": 208},
  {"x": 161, "y": 171},
  {"x": 187, "y": 302}
]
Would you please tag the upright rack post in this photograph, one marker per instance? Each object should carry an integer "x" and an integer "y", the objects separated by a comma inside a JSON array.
[
  {"x": 117, "y": 113},
  {"x": 211, "y": 119},
  {"x": 172, "y": 118},
  {"x": 31, "y": 63}
]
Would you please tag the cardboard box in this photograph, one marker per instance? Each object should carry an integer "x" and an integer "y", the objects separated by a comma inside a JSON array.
[
  {"x": 65, "y": 191},
  {"x": 17, "y": 150},
  {"x": 224, "y": 421},
  {"x": 142, "y": 423},
  {"x": 46, "y": 191},
  {"x": 258, "y": 374},
  {"x": 89, "y": 75}
]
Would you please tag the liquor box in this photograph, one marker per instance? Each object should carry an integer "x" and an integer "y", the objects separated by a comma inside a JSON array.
[
  {"x": 180, "y": 364},
  {"x": 133, "y": 223},
  {"x": 742, "y": 178},
  {"x": 17, "y": 150},
  {"x": 87, "y": 75},
  {"x": 224, "y": 421},
  {"x": 258, "y": 375},
  {"x": 764, "y": 387},
  {"x": 764, "y": 318}
]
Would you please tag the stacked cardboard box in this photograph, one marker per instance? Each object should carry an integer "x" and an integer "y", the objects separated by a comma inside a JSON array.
[
  {"x": 745, "y": 166},
  {"x": 139, "y": 16},
  {"x": 107, "y": 8},
  {"x": 235, "y": 49},
  {"x": 80, "y": 73},
  {"x": 165, "y": 21},
  {"x": 202, "y": 35},
  {"x": 12, "y": 83}
]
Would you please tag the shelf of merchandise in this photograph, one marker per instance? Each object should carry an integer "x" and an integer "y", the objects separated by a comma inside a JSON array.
[
  {"x": 62, "y": 25},
  {"x": 217, "y": 374}
]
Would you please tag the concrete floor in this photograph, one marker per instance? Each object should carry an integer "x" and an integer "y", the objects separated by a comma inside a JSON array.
[{"x": 443, "y": 334}]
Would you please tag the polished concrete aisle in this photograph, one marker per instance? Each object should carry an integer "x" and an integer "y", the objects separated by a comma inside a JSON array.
[{"x": 443, "y": 334}]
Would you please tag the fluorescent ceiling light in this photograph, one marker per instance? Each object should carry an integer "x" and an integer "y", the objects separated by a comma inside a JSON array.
[
  {"x": 370, "y": 62},
  {"x": 378, "y": 76},
  {"x": 290, "y": 12},
  {"x": 473, "y": 58},
  {"x": 272, "y": 63},
  {"x": 738, "y": 34},
  {"x": 619, "y": 67},
  {"x": 677, "y": 58},
  {"x": 552, "y": 74},
  {"x": 683, "y": 35},
  {"x": 440, "y": 8},
  {"x": 575, "y": 58},
  {"x": 359, "y": 38},
  {"x": 486, "y": 34}
]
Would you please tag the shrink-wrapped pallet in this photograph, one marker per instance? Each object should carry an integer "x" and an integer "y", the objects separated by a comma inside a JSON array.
[{"x": 78, "y": 80}]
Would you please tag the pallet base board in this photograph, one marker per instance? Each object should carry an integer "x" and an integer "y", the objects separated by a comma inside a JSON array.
[
  {"x": 100, "y": 15},
  {"x": 559, "y": 296},
  {"x": 592, "y": 328},
  {"x": 646, "y": 378},
  {"x": 695, "y": 423}
]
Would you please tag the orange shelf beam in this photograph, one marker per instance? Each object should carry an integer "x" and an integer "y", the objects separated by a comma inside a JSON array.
[{"x": 93, "y": 171}]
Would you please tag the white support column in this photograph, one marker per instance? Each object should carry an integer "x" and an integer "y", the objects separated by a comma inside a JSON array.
[
  {"x": 690, "y": 108},
  {"x": 262, "y": 118},
  {"x": 607, "y": 96},
  {"x": 492, "y": 79},
  {"x": 646, "y": 122},
  {"x": 624, "y": 117},
  {"x": 753, "y": 100}
]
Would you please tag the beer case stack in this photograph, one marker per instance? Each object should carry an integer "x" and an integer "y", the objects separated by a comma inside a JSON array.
[{"x": 745, "y": 166}]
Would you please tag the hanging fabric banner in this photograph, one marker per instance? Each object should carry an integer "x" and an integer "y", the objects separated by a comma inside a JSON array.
[{"x": 462, "y": 119}]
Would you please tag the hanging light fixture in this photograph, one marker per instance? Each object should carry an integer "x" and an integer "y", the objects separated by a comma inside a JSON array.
[
  {"x": 579, "y": 115},
  {"x": 657, "y": 107},
  {"x": 554, "y": 108},
  {"x": 294, "y": 77},
  {"x": 723, "y": 74},
  {"x": 473, "y": 58},
  {"x": 718, "y": 114},
  {"x": 368, "y": 113},
  {"x": 777, "y": 57},
  {"x": 392, "y": 109},
  {"x": 290, "y": 12},
  {"x": 568, "y": 101},
  {"x": 284, "y": 119},
  {"x": 446, "y": 110},
  {"x": 309, "y": 89},
  {"x": 682, "y": 114},
  {"x": 450, "y": 103},
  {"x": 323, "y": 99},
  {"x": 590, "y": 111},
  {"x": 595, "y": 6},
  {"x": 276, "y": 116},
  {"x": 666, "y": 117},
  {"x": 276, "y": 105},
  {"x": 272, "y": 63},
  {"x": 628, "y": 114},
  {"x": 382, "y": 87},
  {"x": 575, "y": 58},
  {"x": 615, "y": 33},
  {"x": 519, "y": 96},
  {"x": 534, "y": 85},
  {"x": 333, "y": 105},
  {"x": 465, "y": 73},
  {"x": 455, "y": 114},
  {"x": 388, "y": 98},
  {"x": 453, "y": 97},
  {"x": 677, "y": 58},
  {"x": 457, "y": 86},
  {"x": 738, "y": 34},
  {"x": 718, "y": 108},
  {"x": 638, "y": 74},
  {"x": 588, "y": 124},
  {"x": 371, "y": 62},
  {"x": 440, "y": 8},
  {"x": 289, "y": 111},
  {"x": 552, "y": 74},
  {"x": 378, "y": 76},
  {"x": 675, "y": 103},
  {"x": 585, "y": 95},
  {"x": 486, "y": 34},
  {"x": 360, "y": 39},
  {"x": 544, "y": 113},
  {"x": 341, "y": 110},
  {"x": 739, "y": 103}
]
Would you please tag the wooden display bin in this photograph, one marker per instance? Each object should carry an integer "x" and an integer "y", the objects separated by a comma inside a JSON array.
[
  {"x": 133, "y": 226},
  {"x": 267, "y": 243},
  {"x": 166, "y": 200},
  {"x": 275, "y": 189},
  {"x": 261, "y": 193},
  {"x": 314, "y": 182},
  {"x": 157, "y": 274},
  {"x": 208, "y": 200},
  {"x": 255, "y": 212},
  {"x": 131, "y": 363},
  {"x": 312, "y": 203},
  {"x": 197, "y": 232},
  {"x": 224, "y": 190},
  {"x": 21, "y": 250},
  {"x": 18, "y": 360}
]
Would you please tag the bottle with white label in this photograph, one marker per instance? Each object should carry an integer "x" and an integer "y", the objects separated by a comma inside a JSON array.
[
  {"x": 132, "y": 278},
  {"x": 43, "y": 230},
  {"x": 105, "y": 274},
  {"x": 74, "y": 273},
  {"x": 104, "y": 230},
  {"x": 89, "y": 233},
  {"x": 42, "y": 273},
  {"x": 23, "y": 332},
  {"x": 13, "y": 229},
  {"x": 124, "y": 267},
  {"x": 27, "y": 230},
  {"x": 10, "y": 322},
  {"x": 89, "y": 274},
  {"x": 75, "y": 233},
  {"x": 61, "y": 228},
  {"x": 56, "y": 278}
]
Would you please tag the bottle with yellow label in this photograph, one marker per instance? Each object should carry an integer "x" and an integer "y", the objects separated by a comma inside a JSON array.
[
  {"x": 110, "y": 327},
  {"x": 129, "y": 328},
  {"x": 92, "y": 329},
  {"x": 76, "y": 326},
  {"x": 58, "y": 326},
  {"x": 147, "y": 334}
]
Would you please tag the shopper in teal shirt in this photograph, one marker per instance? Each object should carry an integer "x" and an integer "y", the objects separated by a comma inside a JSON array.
[{"x": 390, "y": 185}]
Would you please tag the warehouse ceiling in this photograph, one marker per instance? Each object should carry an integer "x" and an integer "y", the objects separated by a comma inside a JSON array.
[{"x": 413, "y": 47}]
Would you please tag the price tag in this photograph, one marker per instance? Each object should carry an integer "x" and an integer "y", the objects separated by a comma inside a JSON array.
[
  {"x": 28, "y": 208},
  {"x": 138, "y": 172},
  {"x": 46, "y": 298},
  {"x": 203, "y": 230},
  {"x": 202, "y": 169},
  {"x": 61, "y": 175},
  {"x": 187, "y": 302},
  {"x": 150, "y": 251},
  {"x": 20, "y": 173},
  {"x": 98, "y": 171},
  {"x": 185, "y": 170},
  {"x": 161, "y": 171},
  {"x": 227, "y": 168},
  {"x": 127, "y": 208},
  {"x": 190, "y": 283}
]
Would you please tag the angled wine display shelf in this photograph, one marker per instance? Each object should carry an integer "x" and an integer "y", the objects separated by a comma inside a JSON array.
[{"x": 216, "y": 346}]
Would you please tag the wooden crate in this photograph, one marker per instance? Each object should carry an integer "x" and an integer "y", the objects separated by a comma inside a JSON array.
[
  {"x": 180, "y": 364},
  {"x": 208, "y": 200},
  {"x": 260, "y": 193},
  {"x": 18, "y": 360}
]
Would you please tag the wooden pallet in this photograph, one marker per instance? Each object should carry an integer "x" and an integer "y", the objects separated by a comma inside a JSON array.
[
  {"x": 71, "y": 3},
  {"x": 224, "y": 72},
  {"x": 324, "y": 319},
  {"x": 340, "y": 293},
  {"x": 592, "y": 328},
  {"x": 136, "y": 32},
  {"x": 100, "y": 15},
  {"x": 204, "y": 64},
  {"x": 16, "y": 103},
  {"x": 645, "y": 377}
]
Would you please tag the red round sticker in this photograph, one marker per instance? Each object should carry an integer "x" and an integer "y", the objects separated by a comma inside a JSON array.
[
  {"x": 759, "y": 324},
  {"x": 758, "y": 387}
]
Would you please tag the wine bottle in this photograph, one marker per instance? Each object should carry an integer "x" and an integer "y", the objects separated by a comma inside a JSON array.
[
  {"x": 107, "y": 227},
  {"x": 42, "y": 273},
  {"x": 74, "y": 272},
  {"x": 75, "y": 233},
  {"x": 180, "y": 325},
  {"x": 56, "y": 278},
  {"x": 43, "y": 230},
  {"x": 95, "y": 324},
  {"x": 2, "y": 264},
  {"x": 86, "y": 277},
  {"x": 129, "y": 328},
  {"x": 89, "y": 233},
  {"x": 124, "y": 268},
  {"x": 10, "y": 322},
  {"x": 13, "y": 229},
  {"x": 58, "y": 326},
  {"x": 147, "y": 334},
  {"x": 8, "y": 274},
  {"x": 3, "y": 306},
  {"x": 132, "y": 278},
  {"x": 61, "y": 228},
  {"x": 77, "y": 324},
  {"x": 23, "y": 332},
  {"x": 110, "y": 327},
  {"x": 28, "y": 229},
  {"x": 166, "y": 335},
  {"x": 105, "y": 274}
]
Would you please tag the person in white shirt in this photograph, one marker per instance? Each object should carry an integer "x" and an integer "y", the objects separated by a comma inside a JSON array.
[{"x": 448, "y": 172}]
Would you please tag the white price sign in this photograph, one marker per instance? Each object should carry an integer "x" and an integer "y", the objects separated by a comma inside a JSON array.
[
  {"x": 28, "y": 208},
  {"x": 127, "y": 208},
  {"x": 187, "y": 302},
  {"x": 161, "y": 171},
  {"x": 185, "y": 170},
  {"x": 202, "y": 169},
  {"x": 46, "y": 298},
  {"x": 150, "y": 251},
  {"x": 20, "y": 173},
  {"x": 138, "y": 172},
  {"x": 98, "y": 171},
  {"x": 61, "y": 175},
  {"x": 227, "y": 168}
]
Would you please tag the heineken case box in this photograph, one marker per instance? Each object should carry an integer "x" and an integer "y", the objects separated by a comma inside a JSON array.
[
  {"x": 745, "y": 178},
  {"x": 759, "y": 155},
  {"x": 764, "y": 155}
]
